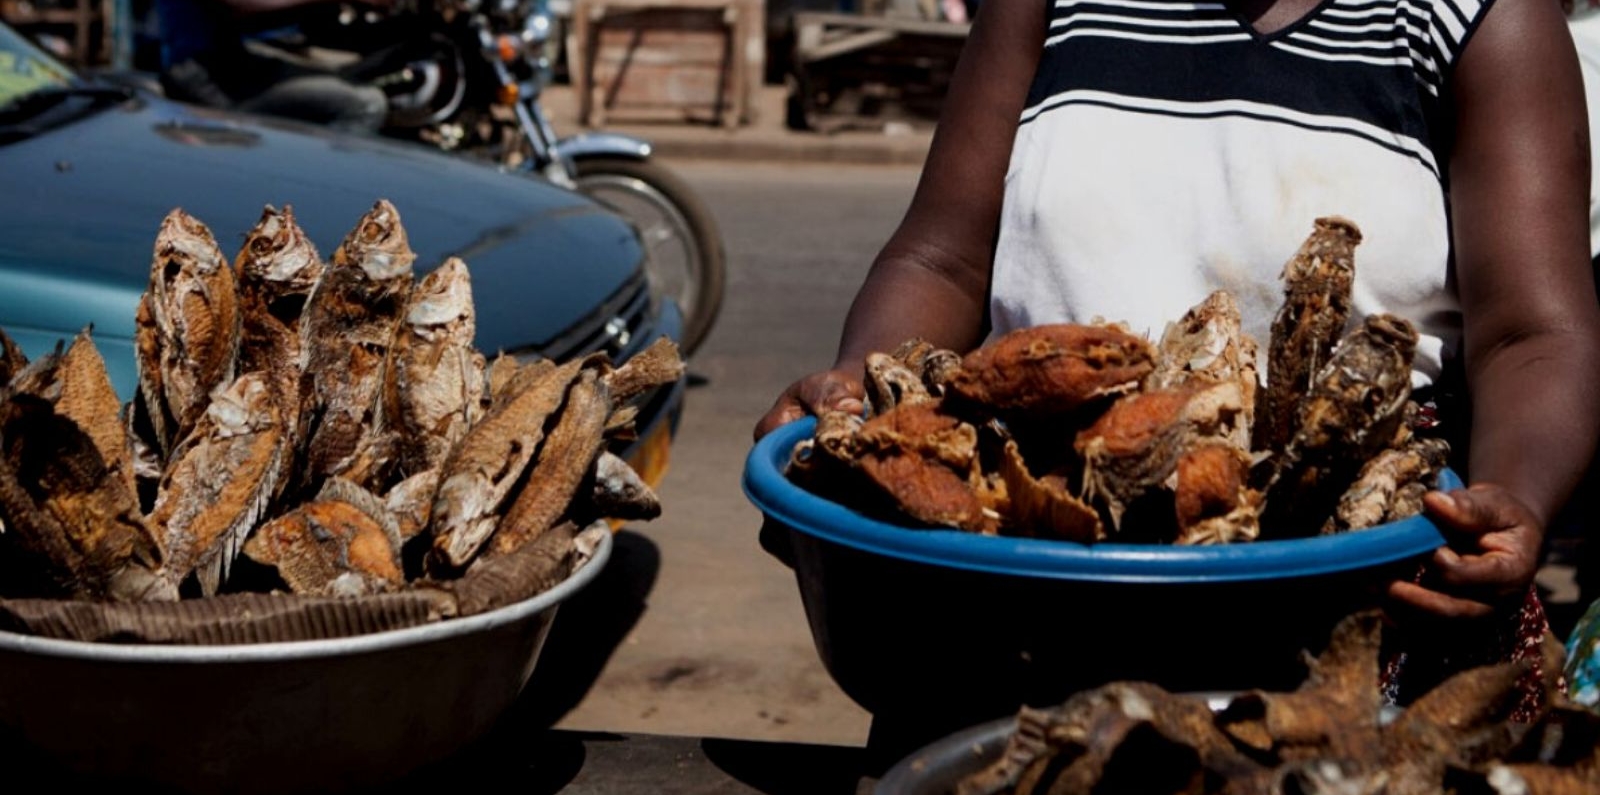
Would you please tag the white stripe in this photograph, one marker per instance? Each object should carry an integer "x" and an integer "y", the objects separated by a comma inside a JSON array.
[
  {"x": 1142, "y": 4},
  {"x": 1440, "y": 44},
  {"x": 1150, "y": 37},
  {"x": 1376, "y": 26},
  {"x": 1421, "y": 59},
  {"x": 1143, "y": 21},
  {"x": 1343, "y": 57},
  {"x": 1392, "y": 44},
  {"x": 1224, "y": 106},
  {"x": 1386, "y": 12},
  {"x": 1451, "y": 24},
  {"x": 1470, "y": 10}
]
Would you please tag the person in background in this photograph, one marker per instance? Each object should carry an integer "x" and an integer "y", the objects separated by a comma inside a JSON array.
[
  {"x": 1124, "y": 159},
  {"x": 205, "y": 61}
]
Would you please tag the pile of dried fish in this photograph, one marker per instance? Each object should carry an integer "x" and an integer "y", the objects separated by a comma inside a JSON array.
[
  {"x": 1332, "y": 736},
  {"x": 1078, "y": 432},
  {"x": 324, "y": 430}
]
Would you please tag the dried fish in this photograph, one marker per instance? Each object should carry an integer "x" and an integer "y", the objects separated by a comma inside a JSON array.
[
  {"x": 619, "y": 492},
  {"x": 62, "y": 505},
  {"x": 1136, "y": 445},
  {"x": 655, "y": 366},
  {"x": 1212, "y": 495},
  {"x": 433, "y": 385},
  {"x": 1054, "y": 369},
  {"x": 220, "y": 481},
  {"x": 1354, "y": 409},
  {"x": 487, "y": 464},
  {"x": 186, "y": 329},
  {"x": 335, "y": 545},
  {"x": 927, "y": 461},
  {"x": 1209, "y": 345},
  {"x": 349, "y": 326},
  {"x": 410, "y": 502},
  {"x": 1317, "y": 287},
  {"x": 565, "y": 457},
  {"x": 498, "y": 580},
  {"x": 508, "y": 376},
  {"x": 890, "y": 383},
  {"x": 278, "y": 269},
  {"x": 1044, "y": 507},
  {"x": 87, "y": 398},
  {"x": 1390, "y": 486},
  {"x": 934, "y": 365}
]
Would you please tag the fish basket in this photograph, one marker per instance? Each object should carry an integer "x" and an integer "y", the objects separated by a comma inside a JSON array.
[
  {"x": 329, "y": 715},
  {"x": 938, "y": 629}
]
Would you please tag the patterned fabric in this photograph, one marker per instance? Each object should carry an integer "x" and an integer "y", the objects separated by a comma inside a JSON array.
[
  {"x": 1415, "y": 666},
  {"x": 1583, "y": 659},
  {"x": 1168, "y": 149}
]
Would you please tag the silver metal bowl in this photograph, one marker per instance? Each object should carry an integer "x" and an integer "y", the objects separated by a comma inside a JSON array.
[{"x": 308, "y": 716}]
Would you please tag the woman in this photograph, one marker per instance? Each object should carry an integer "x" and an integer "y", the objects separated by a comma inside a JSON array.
[{"x": 1123, "y": 158}]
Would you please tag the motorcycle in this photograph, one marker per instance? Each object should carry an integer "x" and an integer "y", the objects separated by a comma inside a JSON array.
[{"x": 467, "y": 75}]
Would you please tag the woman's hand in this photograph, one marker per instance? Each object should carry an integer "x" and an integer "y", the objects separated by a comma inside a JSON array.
[
  {"x": 1494, "y": 548},
  {"x": 830, "y": 390}
]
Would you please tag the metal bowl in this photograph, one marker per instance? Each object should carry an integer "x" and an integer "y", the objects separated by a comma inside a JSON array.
[
  {"x": 938, "y": 767},
  {"x": 324, "y": 715}
]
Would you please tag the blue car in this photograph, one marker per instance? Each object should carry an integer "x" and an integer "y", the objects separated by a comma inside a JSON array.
[{"x": 90, "y": 170}]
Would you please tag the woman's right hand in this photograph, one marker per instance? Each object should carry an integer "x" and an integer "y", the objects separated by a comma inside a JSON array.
[{"x": 830, "y": 390}]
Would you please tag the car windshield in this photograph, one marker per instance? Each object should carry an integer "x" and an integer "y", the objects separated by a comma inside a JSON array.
[{"x": 25, "y": 69}]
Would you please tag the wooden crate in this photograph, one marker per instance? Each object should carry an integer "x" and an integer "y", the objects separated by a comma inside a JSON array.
[{"x": 666, "y": 60}]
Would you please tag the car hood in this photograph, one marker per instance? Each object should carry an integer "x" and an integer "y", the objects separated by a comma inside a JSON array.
[{"x": 83, "y": 202}]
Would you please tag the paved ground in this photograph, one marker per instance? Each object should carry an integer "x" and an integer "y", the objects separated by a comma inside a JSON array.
[{"x": 721, "y": 647}]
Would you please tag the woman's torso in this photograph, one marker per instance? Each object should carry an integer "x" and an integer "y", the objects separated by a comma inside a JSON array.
[{"x": 1168, "y": 149}]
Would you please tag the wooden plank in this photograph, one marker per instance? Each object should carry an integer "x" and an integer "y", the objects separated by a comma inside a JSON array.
[
  {"x": 846, "y": 44},
  {"x": 920, "y": 27}
]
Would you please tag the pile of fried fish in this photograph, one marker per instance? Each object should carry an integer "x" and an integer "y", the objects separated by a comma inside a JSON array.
[
  {"x": 1084, "y": 432},
  {"x": 327, "y": 428},
  {"x": 1332, "y": 736}
]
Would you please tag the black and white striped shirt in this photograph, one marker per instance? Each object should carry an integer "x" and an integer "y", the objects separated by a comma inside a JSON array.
[{"x": 1168, "y": 149}]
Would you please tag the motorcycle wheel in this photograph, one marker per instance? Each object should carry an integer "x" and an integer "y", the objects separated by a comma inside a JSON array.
[{"x": 683, "y": 249}]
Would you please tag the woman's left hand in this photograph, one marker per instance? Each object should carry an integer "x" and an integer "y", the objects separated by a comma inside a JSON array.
[{"x": 1494, "y": 543}]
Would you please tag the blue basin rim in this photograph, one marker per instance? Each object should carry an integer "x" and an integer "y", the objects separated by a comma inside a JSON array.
[{"x": 783, "y": 501}]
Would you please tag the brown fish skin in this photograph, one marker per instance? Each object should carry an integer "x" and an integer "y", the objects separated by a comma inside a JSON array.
[
  {"x": 219, "y": 483},
  {"x": 508, "y": 376},
  {"x": 619, "y": 492},
  {"x": 410, "y": 502},
  {"x": 1354, "y": 409},
  {"x": 61, "y": 503},
  {"x": 1208, "y": 344},
  {"x": 1043, "y": 507},
  {"x": 328, "y": 547},
  {"x": 658, "y": 365},
  {"x": 349, "y": 327},
  {"x": 488, "y": 463},
  {"x": 11, "y": 358},
  {"x": 564, "y": 460},
  {"x": 1212, "y": 496},
  {"x": 186, "y": 328},
  {"x": 1317, "y": 286},
  {"x": 88, "y": 399},
  {"x": 433, "y": 388},
  {"x": 278, "y": 268},
  {"x": 1053, "y": 369}
]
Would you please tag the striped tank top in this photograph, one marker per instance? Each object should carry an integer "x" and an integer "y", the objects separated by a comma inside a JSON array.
[{"x": 1168, "y": 149}]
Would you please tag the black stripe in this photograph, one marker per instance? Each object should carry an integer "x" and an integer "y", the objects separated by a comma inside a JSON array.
[
  {"x": 1241, "y": 114},
  {"x": 1383, "y": 96}
]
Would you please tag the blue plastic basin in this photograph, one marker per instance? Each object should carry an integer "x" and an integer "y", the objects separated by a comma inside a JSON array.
[{"x": 938, "y": 629}]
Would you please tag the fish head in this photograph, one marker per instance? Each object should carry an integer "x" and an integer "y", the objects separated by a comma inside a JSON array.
[
  {"x": 442, "y": 297},
  {"x": 278, "y": 251},
  {"x": 378, "y": 245}
]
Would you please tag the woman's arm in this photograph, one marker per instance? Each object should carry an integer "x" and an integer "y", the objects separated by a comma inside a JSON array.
[
  {"x": 1519, "y": 197},
  {"x": 931, "y": 280}
]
